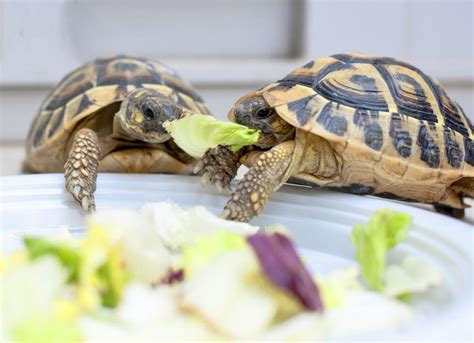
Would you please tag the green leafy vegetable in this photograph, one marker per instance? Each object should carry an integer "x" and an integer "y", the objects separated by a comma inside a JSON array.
[
  {"x": 206, "y": 248},
  {"x": 335, "y": 287},
  {"x": 197, "y": 133},
  {"x": 66, "y": 254},
  {"x": 414, "y": 275},
  {"x": 95, "y": 265},
  {"x": 47, "y": 329},
  {"x": 372, "y": 240}
]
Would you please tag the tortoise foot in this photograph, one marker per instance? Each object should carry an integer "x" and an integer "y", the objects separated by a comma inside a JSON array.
[
  {"x": 452, "y": 212},
  {"x": 219, "y": 167}
]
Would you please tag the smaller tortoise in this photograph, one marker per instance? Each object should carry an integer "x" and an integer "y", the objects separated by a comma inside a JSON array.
[
  {"x": 108, "y": 115},
  {"x": 357, "y": 123}
]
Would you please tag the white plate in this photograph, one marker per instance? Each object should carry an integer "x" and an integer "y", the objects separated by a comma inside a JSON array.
[{"x": 320, "y": 221}]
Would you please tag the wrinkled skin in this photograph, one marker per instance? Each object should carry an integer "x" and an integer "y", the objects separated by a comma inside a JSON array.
[
  {"x": 275, "y": 149},
  {"x": 140, "y": 119}
]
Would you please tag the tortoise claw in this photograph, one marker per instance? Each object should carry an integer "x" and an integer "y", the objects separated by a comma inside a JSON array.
[
  {"x": 220, "y": 166},
  {"x": 206, "y": 178},
  {"x": 198, "y": 167}
]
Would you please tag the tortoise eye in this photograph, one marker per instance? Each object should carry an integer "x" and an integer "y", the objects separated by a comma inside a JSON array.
[
  {"x": 149, "y": 112},
  {"x": 263, "y": 113}
]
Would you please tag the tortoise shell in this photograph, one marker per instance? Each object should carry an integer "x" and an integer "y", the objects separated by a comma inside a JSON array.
[
  {"x": 386, "y": 119},
  {"x": 98, "y": 84}
]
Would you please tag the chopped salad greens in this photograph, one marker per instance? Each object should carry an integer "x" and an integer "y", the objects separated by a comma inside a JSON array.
[
  {"x": 197, "y": 133},
  {"x": 166, "y": 273},
  {"x": 372, "y": 241}
]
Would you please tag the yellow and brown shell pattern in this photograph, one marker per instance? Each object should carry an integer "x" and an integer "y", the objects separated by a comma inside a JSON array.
[
  {"x": 100, "y": 83},
  {"x": 379, "y": 108}
]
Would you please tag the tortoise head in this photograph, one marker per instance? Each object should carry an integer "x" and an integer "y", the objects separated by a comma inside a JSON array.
[
  {"x": 253, "y": 111},
  {"x": 143, "y": 113}
]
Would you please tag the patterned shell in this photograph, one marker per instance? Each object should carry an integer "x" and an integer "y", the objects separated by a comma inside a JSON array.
[
  {"x": 377, "y": 107},
  {"x": 102, "y": 82}
]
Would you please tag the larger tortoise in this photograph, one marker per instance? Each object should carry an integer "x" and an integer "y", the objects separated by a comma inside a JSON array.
[
  {"x": 108, "y": 115},
  {"x": 362, "y": 124}
]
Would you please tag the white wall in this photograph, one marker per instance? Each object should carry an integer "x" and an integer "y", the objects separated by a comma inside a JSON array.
[{"x": 225, "y": 48}]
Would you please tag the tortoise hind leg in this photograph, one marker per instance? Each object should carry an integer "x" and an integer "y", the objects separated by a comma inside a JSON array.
[
  {"x": 80, "y": 169},
  {"x": 464, "y": 187},
  {"x": 450, "y": 211},
  {"x": 453, "y": 204}
]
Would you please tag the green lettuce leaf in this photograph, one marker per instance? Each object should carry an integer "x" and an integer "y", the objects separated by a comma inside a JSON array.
[
  {"x": 206, "y": 248},
  {"x": 197, "y": 133},
  {"x": 413, "y": 275},
  {"x": 47, "y": 329},
  {"x": 372, "y": 240},
  {"x": 68, "y": 255},
  {"x": 336, "y": 286}
]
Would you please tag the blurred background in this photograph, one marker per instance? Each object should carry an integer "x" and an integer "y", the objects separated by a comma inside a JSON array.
[{"x": 224, "y": 48}]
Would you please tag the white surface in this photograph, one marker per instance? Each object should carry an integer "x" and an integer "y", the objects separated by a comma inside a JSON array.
[
  {"x": 225, "y": 48},
  {"x": 435, "y": 35},
  {"x": 320, "y": 222}
]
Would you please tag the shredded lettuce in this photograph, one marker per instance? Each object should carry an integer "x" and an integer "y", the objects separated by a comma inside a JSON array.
[
  {"x": 47, "y": 329},
  {"x": 336, "y": 286},
  {"x": 95, "y": 266},
  {"x": 229, "y": 293},
  {"x": 29, "y": 290},
  {"x": 197, "y": 133},
  {"x": 102, "y": 276},
  {"x": 68, "y": 255},
  {"x": 207, "y": 247},
  {"x": 178, "y": 227},
  {"x": 143, "y": 251},
  {"x": 372, "y": 240},
  {"x": 414, "y": 275}
]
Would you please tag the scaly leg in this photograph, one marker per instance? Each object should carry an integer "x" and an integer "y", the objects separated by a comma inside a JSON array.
[
  {"x": 268, "y": 173},
  {"x": 219, "y": 166},
  {"x": 80, "y": 169}
]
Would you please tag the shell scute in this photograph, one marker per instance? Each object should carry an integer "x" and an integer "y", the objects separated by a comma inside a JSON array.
[
  {"x": 100, "y": 83},
  {"x": 381, "y": 104}
]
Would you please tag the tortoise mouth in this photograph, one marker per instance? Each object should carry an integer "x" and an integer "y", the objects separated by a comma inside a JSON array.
[
  {"x": 267, "y": 140},
  {"x": 149, "y": 136}
]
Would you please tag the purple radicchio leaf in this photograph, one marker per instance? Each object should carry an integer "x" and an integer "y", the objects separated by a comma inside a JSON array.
[
  {"x": 282, "y": 265},
  {"x": 171, "y": 277}
]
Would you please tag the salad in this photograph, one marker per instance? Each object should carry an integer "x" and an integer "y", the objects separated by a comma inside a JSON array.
[{"x": 163, "y": 273}]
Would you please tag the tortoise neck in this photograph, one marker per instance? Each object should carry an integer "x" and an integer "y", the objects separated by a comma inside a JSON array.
[{"x": 117, "y": 130}]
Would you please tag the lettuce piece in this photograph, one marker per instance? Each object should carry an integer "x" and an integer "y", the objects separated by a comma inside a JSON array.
[
  {"x": 29, "y": 290},
  {"x": 336, "y": 287},
  {"x": 146, "y": 314},
  {"x": 372, "y": 240},
  {"x": 65, "y": 253},
  {"x": 47, "y": 329},
  {"x": 366, "y": 312},
  {"x": 197, "y": 133},
  {"x": 414, "y": 275},
  {"x": 143, "y": 252},
  {"x": 206, "y": 248},
  {"x": 225, "y": 293},
  {"x": 282, "y": 265},
  {"x": 102, "y": 275},
  {"x": 178, "y": 227}
]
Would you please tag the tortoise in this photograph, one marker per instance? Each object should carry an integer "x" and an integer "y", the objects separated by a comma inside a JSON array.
[
  {"x": 358, "y": 123},
  {"x": 107, "y": 115}
]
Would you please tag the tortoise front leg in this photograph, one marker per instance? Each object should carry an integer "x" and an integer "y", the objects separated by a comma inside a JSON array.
[
  {"x": 219, "y": 166},
  {"x": 268, "y": 173},
  {"x": 80, "y": 169}
]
